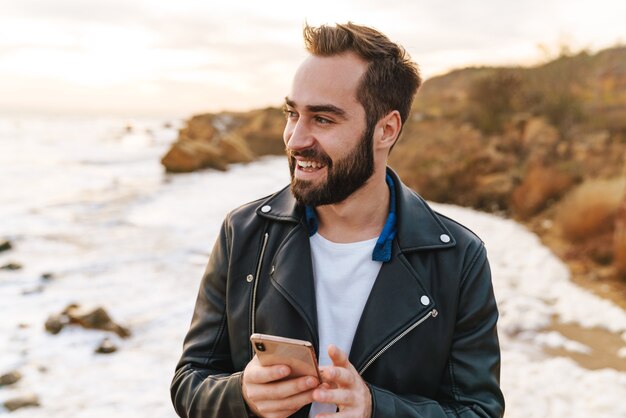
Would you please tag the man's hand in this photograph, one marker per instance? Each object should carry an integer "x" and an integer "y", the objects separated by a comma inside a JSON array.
[
  {"x": 344, "y": 387},
  {"x": 271, "y": 399}
]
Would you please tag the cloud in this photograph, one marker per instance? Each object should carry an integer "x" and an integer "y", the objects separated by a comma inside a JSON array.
[{"x": 250, "y": 48}]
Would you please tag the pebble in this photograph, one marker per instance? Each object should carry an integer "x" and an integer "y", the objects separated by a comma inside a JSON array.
[
  {"x": 11, "y": 266},
  {"x": 5, "y": 246},
  {"x": 54, "y": 324},
  {"x": 22, "y": 401},
  {"x": 10, "y": 378},
  {"x": 106, "y": 347}
]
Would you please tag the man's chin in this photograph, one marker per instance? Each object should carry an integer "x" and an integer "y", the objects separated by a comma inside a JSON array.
[{"x": 304, "y": 191}]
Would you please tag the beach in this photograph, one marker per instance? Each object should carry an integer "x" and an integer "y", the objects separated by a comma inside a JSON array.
[{"x": 86, "y": 203}]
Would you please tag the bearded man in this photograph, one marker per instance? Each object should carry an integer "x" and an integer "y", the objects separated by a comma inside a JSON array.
[{"x": 396, "y": 299}]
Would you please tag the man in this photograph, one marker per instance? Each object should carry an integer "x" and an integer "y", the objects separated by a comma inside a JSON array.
[{"x": 396, "y": 299}]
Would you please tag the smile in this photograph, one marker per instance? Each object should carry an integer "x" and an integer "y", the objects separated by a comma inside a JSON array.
[{"x": 308, "y": 164}]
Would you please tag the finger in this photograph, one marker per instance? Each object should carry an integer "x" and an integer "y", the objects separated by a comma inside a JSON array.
[
  {"x": 336, "y": 396},
  {"x": 278, "y": 414},
  {"x": 340, "y": 376},
  {"x": 256, "y": 373},
  {"x": 338, "y": 357},
  {"x": 292, "y": 403},
  {"x": 325, "y": 381},
  {"x": 346, "y": 413},
  {"x": 281, "y": 390}
]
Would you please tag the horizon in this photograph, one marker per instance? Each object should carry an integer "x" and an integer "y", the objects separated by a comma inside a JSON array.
[{"x": 143, "y": 58}]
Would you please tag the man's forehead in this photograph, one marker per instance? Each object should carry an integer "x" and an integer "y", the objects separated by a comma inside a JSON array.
[
  {"x": 327, "y": 80},
  {"x": 345, "y": 67}
]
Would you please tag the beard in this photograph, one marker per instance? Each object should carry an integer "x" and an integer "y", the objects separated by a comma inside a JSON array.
[{"x": 343, "y": 177}]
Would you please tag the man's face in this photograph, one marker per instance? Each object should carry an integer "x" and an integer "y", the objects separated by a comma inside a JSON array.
[
  {"x": 344, "y": 176},
  {"x": 328, "y": 142}
]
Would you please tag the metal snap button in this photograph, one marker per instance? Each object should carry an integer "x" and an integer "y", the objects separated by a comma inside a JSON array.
[
  {"x": 266, "y": 208},
  {"x": 249, "y": 278},
  {"x": 444, "y": 238},
  {"x": 425, "y": 300}
]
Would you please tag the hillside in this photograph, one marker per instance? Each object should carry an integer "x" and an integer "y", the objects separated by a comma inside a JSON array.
[{"x": 544, "y": 145}]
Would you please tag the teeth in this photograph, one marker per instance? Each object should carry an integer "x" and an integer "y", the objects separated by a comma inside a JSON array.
[{"x": 310, "y": 164}]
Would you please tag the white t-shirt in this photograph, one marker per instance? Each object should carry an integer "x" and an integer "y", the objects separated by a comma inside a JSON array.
[{"x": 344, "y": 275}]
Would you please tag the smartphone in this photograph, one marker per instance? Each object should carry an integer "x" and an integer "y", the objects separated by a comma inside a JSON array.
[{"x": 299, "y": 355}]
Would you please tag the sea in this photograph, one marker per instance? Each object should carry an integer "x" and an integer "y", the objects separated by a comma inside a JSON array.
[{"x": 93, "y": 219}]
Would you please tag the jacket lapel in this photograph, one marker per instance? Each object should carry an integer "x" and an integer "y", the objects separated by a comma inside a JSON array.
[
  {"x": 291, "y": 270},
  {"x": 399, "y": 297},
  {"x": 395, "y": 303},
  {"x": 292, "y": 276}
]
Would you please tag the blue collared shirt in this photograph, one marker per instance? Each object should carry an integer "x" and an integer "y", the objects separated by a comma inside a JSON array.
[{"x": 382, "y": 249}]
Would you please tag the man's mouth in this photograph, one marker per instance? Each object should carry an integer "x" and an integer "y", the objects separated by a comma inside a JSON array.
[{"x": 309, "y": 165}]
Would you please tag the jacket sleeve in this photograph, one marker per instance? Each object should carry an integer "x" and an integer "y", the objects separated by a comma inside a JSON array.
[
  {"x": 205, "y": 384},
  {"x": 470, "y": 386}
]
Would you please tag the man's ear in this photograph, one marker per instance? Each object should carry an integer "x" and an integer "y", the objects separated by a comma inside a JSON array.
[{"x": 390, "y": 126}]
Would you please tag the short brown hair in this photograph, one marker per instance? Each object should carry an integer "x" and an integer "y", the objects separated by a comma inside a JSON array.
[{"x": 391, "y": 79}]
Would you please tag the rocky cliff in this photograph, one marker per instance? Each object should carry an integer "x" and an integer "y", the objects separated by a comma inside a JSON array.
[
  {"x": 216, "y": 140},
  {"x": 535, "y": 144}
]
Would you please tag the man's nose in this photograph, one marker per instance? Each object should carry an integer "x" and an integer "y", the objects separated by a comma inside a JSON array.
[{"x": 298, "y": 136}]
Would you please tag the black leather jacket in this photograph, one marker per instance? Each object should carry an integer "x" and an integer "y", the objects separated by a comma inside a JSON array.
[{"x": 426, "y": 343}]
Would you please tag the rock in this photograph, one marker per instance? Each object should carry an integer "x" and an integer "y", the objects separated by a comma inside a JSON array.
[
  {"x": 187, "y": 155},
  {"x": 106, "y": 347},
  {"x": 55, "y": 323},
  {"x": 10, "y": 378},
  {"x": 216, "y": 140},
  {"x": 47, "y": 276},
  {"x": 199, "y": 127},
  {"x": 235, "y": 150},
  {"x": 5, "y": 246},
  {"x": 619, "y": 240},
  {"x": 21, "y": 402},
  {"x": 538, "y": 133},
  {"x": 540, "y": 184},
  {"x": 97, "y": 318},
  {"x": 263, "y": 131},
  {"x": 11, "y": 266}
]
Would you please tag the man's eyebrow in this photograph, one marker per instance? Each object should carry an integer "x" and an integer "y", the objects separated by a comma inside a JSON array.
[
  {"x": 322, "y": 108},
  {"x": 289, "y": 102}
]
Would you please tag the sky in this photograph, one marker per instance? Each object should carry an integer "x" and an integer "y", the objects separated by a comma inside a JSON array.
[{"x": 177, "y": 58}]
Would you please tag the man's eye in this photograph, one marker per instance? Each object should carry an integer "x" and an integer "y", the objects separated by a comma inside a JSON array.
[
  {"x": 322, "y": 120},
  {"x": 290, "y": 114}
]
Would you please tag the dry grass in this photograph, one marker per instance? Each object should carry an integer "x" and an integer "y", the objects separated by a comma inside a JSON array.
[
  {"x": 619, "y": 241},
  {"x": 590, "y": 209}
]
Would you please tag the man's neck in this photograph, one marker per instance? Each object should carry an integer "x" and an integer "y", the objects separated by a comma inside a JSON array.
[{"x": 358, "y": 218}]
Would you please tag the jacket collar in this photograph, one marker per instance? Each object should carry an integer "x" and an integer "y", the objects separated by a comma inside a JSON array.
[{"x": 419, "y": 227}]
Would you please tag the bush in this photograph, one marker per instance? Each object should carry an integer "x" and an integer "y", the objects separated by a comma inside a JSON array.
[
  {"x": 590, "y": 209},
  {"x": 493, "y": 100}
]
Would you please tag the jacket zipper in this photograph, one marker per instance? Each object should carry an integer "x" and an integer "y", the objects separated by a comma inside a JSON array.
[
  {"x": 433, "y": 313},
  {"x": 256, "y": 282}
]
